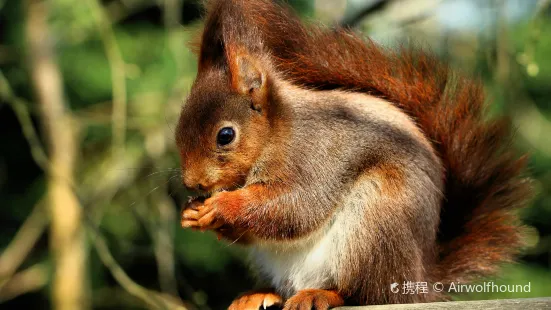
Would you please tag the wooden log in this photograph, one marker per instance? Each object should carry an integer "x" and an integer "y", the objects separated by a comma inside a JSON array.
[{"x": 511, "y": 304}]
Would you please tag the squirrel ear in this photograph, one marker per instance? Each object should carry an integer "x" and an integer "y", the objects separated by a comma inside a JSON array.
[{"x": 249, "y": 78}]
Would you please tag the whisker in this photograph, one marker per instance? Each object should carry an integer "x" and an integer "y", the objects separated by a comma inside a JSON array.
[
  {"x": 232, "y": 243},
  {"x": 154, "y": 189},
  {"x": 154, "y": 167},
  {"x": 171, "y": 191},
  {"x": 159, "y": 172}
]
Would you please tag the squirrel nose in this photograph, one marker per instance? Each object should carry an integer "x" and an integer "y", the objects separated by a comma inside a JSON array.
[
  {"x": 199, "y": 187},
  {"x": 194, "y": 186}
]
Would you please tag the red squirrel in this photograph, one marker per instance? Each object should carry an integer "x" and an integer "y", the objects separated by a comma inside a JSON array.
[{"x": 343, "y": 166}]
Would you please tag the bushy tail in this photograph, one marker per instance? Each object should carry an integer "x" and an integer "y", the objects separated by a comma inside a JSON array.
[{"x": 484, "y": 177}]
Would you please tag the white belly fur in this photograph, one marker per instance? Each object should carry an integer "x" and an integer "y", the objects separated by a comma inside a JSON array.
[
  {"x": 313, "y": 262},
  {"x": 306, "y": 265}
]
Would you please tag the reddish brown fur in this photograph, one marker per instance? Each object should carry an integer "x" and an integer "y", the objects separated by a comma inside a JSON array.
[
  {"x": 391, "y": 178},
  {"x": 235, "y": 209},
  {"x": 484, "y": 177}
]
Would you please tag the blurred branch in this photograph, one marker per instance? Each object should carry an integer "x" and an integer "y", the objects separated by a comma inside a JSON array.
[
  {"x": 526, "y": 58},
  {"x": 420, "y": 17},
  {"x": 115, "y": 298},
  {"x": 118, "y": 76},
  {"x": 534, "y": 127},
  {"x": 160, "y": 228},
  {"x": 153, "y": 299},
  {"x": 69, "y": 289},
  {"x": 22, "y": 244},
  {"x": 175, "y": 40},
  {"x": 23, "y": 116},
  {"x": 163, "y": 242},
  {"x": 413, "y": 17},
  {"x": 7, "y": 54},
  {"x": 114, "y": 174},
  {"x": 28, "y": 280},
  {"x": 401, "y": 25},
  {"x": 119, "y": 10},
  {"x": 132, "y": 123},
  {"x": 529, "y": 120},
  {"x": 354, "y": 17},
  {"x": 171, "y": 14},
  {"x": 100, "y": 113},
  {"x": 503, "y": 59},
  {"x": 35, "y": 223}
]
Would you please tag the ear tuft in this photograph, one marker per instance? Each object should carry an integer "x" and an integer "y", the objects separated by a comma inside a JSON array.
[{"x": 248, "y": 78}]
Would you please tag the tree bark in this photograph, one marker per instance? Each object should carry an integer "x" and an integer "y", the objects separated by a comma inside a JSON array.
[{"x": 67, "y": 242}]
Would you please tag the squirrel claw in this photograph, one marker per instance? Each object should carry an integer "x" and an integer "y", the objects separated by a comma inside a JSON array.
[{"x": 262, "y": 299}]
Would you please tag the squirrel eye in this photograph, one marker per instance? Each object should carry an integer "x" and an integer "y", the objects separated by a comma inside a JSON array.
[{"x": 225, "y": 136}]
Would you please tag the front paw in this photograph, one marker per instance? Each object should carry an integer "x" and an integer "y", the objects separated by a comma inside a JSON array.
[
  {"x": 231, "y": 205},
  {"x": 260, "y": 299},
  {"x": 314, "y": 299},
  {"x": 200, "y": 215}
]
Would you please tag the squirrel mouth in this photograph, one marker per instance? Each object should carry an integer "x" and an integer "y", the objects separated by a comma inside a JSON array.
[
  {"x": 199, "y": 197},
  {"x": 204, "y": 195}
]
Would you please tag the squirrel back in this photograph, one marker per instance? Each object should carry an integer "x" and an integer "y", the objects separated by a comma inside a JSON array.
[{"x": 484, "y": 178}]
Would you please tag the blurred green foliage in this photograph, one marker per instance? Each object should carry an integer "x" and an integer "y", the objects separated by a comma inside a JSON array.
[{"x": 123, "y": 197}]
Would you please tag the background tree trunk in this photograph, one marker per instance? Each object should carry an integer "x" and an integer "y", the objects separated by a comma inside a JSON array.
[{"x": 69, "y": 286}]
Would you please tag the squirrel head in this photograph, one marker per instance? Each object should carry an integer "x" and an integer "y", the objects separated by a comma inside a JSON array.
[{"x": 224, "y": 124}]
